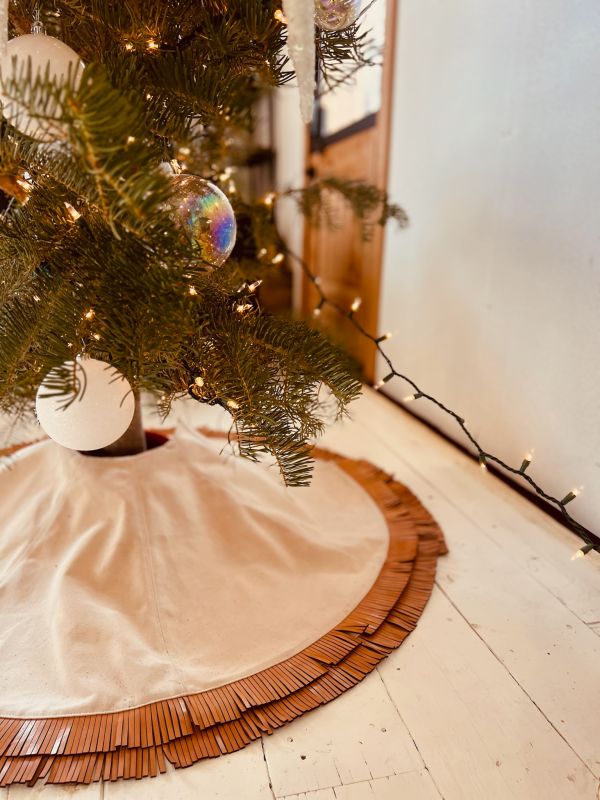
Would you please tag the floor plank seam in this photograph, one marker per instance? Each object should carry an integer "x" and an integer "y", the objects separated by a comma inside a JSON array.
[
  {"x": 522, "y": 688},
  {"x": 426, "y": 479},
  {"x": 264, "y": 753},
  {"x": 359, "y": 782},
  {"x": 424, "y": 764}
]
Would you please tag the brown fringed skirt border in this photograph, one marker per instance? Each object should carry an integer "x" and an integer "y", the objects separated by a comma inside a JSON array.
[{"x": 138, "y": 742}]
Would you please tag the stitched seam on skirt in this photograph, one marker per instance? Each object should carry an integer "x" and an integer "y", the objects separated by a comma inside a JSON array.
[
  {"x": 52, "y": 515},
  {"x": 150, "y": 563}
]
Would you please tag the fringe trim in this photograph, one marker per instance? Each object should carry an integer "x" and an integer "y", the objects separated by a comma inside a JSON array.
[{"x": 137, "y": 743}]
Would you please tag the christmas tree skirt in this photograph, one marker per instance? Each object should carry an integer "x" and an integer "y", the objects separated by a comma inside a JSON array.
[{"x": 175, "y": 605}]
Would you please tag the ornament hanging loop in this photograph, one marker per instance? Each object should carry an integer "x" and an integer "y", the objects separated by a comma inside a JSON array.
[{"x": 37, "y": 26}]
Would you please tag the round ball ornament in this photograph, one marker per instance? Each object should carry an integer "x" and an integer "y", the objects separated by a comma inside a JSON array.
[
  {"x": 28, "y": 57},
  {"x": 335, "y": 15},
  {"x": 95, "y": 415},
  {"x": 206, "y": 215}
]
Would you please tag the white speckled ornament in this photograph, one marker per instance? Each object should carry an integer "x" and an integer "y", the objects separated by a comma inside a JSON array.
[
  {"x": 96, "y": 415},
  {"x": 46, "y": 58}
]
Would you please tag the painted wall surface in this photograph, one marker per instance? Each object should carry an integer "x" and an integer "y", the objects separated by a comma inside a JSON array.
[{"x": 493, "y": 293}]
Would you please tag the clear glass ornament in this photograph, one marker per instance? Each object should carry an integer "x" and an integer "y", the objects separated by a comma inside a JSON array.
[
  {"x": 206, "y": 215},
  {"x": 335, "y": 15}
]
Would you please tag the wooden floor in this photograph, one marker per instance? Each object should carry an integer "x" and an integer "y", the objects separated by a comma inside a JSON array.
[{"x": 495, "y": 696}]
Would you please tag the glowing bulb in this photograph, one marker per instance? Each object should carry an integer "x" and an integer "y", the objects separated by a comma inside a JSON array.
[
  {"x": 356, "y": 304},
  {"x": 583, "y": 551},
  {"x": 199, "y": 381},
  {"x": 97, "y": 337},
  {"x": 316, "y": 312},
  {"x": 37, "y": 298},
  {"x": 152, "y": 45},
  {"x": 570, "y": 496},
  {"x": 378, "y": 385},
  {"x": 73, "y": 213},
  {"x": 90, "y": 314},
  {"x": 128, "y": 46},
  {"x": 232, "y": 404},
  {"x": 262, "y": 252},
  {"x": 278, "y": 258},
  {"x": 130, "y": 139},
  {"x": 280, "y": 17},
  {"x": 409, "y": 398},
  {"x": 254, "y": 286},
  {"x": 269, "y": 199},
  {"x": 192, "y": 290}
]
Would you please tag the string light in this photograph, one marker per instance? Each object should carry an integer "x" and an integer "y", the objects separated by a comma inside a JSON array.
[
  {"x": 130, "y": 139},
  {"x": 37, "y": 298},
  {"x": 128, "y": 46},
  {"x": 583, "y": 551},
  {"x": 90, "y": 314},
  {"x": 199, "y": 381},
  {"x": 356, "y": 304},
  {"x": 483, "y": 462},
  {"x": 254, "y": 286},
  {"x": 152, "y": 45},
  {"x": 570, "y": 496},
  {"x": 278, "y": 258},
  {"x": 269, "y": 199},
  {"x": 384, "y": 338},
  {"x": 587, "y": 535},
  {"x": 262, "y": 252},
  {"x": 411, "y": 397},
  {"x": 243, "y": 307},
  {"x": 527, "y": 459},
  {"x": 96, "y": 336},
  {"x": 280, "y": 17},
  {"x": 73, "y": 213},
  {"x": 233, "y": 405},
  {"x": 192, "y": 290}
]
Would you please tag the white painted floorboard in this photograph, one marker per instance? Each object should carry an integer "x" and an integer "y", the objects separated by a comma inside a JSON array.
[{"x": 495, "y": 696}]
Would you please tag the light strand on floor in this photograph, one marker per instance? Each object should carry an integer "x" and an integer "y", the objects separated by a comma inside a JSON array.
[{"x": 592, "y": 540}]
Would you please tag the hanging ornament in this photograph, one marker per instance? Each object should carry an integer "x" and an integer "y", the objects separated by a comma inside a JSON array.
[
  {"x": 95, "y": 415},
  {"x": 26, "y": 58},
  {"x": 300, "y": 15},
  {"x": 335, "y": 15},
  {"x": 206, "y": 215}
]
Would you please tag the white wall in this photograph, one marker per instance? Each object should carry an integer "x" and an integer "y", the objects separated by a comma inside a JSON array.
[{"x": 494, "y": 291}]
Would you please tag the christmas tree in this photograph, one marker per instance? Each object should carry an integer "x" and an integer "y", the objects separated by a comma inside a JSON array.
[{"x": 107, "y": 253}]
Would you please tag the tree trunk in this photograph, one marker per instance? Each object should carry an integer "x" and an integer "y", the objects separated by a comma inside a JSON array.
[{"x": 133, "y": 440}]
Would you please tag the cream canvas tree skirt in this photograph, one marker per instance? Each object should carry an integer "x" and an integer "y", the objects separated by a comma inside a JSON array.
[{"x": 176, "y": 604}]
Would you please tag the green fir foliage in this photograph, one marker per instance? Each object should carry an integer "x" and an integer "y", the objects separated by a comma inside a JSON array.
[{"x": 90, "y": 261}]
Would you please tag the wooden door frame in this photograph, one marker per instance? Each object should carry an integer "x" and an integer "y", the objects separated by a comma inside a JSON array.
[{"x": 371, "y": 292}]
